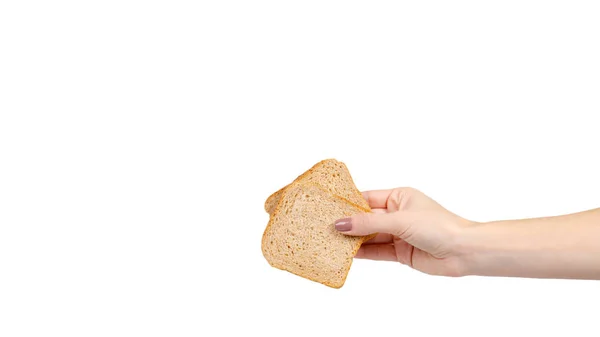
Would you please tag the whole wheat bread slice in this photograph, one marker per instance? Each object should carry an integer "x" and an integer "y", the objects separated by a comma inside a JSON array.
[
  {"x": 301, "y": 238},
  {"x": 331, "y": 174}
]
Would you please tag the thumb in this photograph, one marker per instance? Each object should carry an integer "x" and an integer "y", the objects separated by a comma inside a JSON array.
[{"x": 369, "y": 223}]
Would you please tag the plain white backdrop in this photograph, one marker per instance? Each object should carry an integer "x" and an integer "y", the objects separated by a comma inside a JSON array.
[{"x": 140, "y": 139}]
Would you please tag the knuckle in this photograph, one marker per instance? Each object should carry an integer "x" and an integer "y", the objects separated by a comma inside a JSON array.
[
  {"x": 400, "y": 197},
  {"x": 409, "y": 190},
  {"x": 395, "y": 199}
]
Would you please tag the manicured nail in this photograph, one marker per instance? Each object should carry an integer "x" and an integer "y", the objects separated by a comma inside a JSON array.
[{"x": 343, "y": 225}]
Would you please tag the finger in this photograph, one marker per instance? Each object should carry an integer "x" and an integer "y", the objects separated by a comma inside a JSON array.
[
  {"x": 379, "y": 210},
  {"x": 377, "y": 198},
  {"x": 381, "y": 252},
  {"x": 404, "y": 252},
  {"x": 369, "y": 223},
  {"x": 380, "y": 238}
]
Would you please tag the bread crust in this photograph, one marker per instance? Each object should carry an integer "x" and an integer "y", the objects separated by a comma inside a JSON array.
[{"x": 273, "y": 199}]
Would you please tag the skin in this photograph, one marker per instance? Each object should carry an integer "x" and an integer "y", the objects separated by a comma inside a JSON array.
[{"x": 416, "y": 231}]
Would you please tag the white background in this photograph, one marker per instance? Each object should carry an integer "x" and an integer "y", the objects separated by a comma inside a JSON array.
[{"x": 140, "y": 139}]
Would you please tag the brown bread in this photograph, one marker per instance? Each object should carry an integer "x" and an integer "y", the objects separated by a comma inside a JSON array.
[
  {"x": 331, "y": 174},
  {"x": 301, "y": 238}
]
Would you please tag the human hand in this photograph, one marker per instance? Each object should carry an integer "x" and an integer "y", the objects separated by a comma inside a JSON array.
[{"x": 412, "y": 229}]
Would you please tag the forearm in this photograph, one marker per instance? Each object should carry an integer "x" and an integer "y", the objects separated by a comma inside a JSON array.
[{"x": 565, "y": 246}]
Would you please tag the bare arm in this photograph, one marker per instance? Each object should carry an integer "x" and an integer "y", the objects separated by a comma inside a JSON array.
[{"x": 566, "y": 246}]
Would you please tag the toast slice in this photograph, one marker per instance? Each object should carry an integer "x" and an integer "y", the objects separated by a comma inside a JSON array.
[
  {"x": 301, "y": 238},
  {"x": 331, "y": 174}
]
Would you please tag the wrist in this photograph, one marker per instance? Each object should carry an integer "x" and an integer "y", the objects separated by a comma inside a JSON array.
[{"x": 485, "y": 249}]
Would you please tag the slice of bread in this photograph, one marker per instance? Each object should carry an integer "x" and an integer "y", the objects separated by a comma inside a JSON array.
[
  {"x": 301, "y": 238},
  {"x": 331, "y": 174}
]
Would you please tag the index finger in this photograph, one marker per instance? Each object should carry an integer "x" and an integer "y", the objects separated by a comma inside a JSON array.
[{"x": 377, "y": 198}]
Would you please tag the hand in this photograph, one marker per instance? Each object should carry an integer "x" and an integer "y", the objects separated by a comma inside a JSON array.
[{"x": 412, "y": 229}]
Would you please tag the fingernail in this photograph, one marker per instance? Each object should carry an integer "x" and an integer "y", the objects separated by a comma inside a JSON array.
[{"x": 343, "y": 225}]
